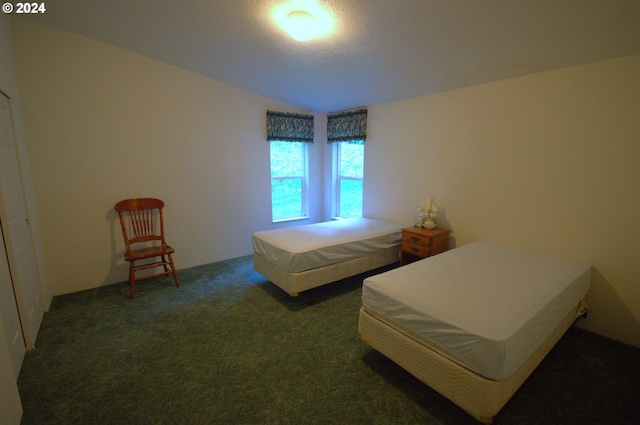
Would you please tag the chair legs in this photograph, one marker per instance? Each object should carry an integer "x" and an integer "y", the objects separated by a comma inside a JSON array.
[
  {"x": 173, "y": 270},
  {"x": 133, "y": 268},
  {"x": 132, "y": 279},
  {"x": 164, "y": 264}
]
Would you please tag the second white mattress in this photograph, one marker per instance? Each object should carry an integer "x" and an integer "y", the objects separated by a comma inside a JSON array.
[
  {"x": 301, "y": 248},
  {"x": 487, "y": 306}
]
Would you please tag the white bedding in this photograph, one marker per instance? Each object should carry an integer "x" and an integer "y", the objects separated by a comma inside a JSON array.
[
  {"x": 301, "y": 248},
  {"x": 487, "y": 306}
]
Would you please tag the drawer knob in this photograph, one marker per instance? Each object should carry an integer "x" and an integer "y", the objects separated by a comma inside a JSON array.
[{"x": 414, "y": 239}]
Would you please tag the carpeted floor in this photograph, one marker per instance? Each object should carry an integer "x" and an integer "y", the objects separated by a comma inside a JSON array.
[{"x": 228, "y": 347}]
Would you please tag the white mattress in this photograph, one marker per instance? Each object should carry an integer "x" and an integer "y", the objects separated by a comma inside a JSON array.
[
  {"x": 486, "y": 306},
  {"x": 301, "y": 248}
]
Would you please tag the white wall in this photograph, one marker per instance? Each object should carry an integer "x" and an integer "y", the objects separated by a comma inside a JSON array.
[
  {"x": 103, "y": 124},
  {"x": 548, "y": 162}
]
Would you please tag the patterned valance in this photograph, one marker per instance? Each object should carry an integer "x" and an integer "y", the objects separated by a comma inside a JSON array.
[
  {"x": 350, "y": 126},
  {"x": 289, "y": 127}
]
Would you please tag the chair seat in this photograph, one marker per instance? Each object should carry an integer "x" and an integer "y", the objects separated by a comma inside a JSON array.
[{"x": 148, "y": 252}]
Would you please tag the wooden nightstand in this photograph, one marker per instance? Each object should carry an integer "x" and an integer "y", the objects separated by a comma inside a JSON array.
[{"x": 418, "y": 243}]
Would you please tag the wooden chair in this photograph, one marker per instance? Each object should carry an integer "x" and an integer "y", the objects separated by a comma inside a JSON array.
[{"x": 143, "y": 230}]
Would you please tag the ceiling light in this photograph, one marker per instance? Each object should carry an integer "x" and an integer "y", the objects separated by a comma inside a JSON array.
[
  {"x": 301, "y": 25},
  {"x": 304, "y": 19}
]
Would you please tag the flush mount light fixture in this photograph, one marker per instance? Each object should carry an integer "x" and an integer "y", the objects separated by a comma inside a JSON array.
[
  {"x": 303, "y": 20},
  {"x": 301, "y": 25}
]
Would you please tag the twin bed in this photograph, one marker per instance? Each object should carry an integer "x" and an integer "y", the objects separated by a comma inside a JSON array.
[
  {"x": 472, "y": 323},
  {"x": 475, "y": 321},
  {"x": 300, "y": 258}
]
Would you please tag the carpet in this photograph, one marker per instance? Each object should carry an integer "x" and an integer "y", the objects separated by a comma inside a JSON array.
[{"x": 228, "y": 347}]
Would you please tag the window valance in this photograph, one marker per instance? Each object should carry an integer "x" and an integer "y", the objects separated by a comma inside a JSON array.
[
  {"x": 289, "y": 127},
  {"x": 350, "y": 126}
]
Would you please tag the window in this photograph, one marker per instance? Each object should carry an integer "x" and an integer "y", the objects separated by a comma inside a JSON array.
[
  {"x": 288, "y": 180},
  {"x": 349, "y": 177},
  {"x": 288, "y": 135},
  {"x": 348, "y": 132}
]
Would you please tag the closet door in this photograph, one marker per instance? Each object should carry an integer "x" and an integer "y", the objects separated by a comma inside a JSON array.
[
  {"x": 8, "y": 305},
  {"x": 17, "y": 233},
  {"x": 9, "y": 314}
]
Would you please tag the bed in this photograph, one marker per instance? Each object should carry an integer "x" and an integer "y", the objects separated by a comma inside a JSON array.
[
  {"x": 475, "y": 321},
  {"x": 300, "y": 258}
]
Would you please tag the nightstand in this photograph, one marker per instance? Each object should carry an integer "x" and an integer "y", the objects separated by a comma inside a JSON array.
[{"x": 418, "y": 243}]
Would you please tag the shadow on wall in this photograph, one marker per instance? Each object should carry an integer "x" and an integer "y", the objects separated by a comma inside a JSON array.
[
  {"x": 443, "y": 223},
  {"x": 118, "y": 267},
  {"x": 617, "y": 314}
]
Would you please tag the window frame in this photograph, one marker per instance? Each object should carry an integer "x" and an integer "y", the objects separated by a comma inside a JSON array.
[
  {"x": 304, "y": 181},
  {"x": 337, "y": 179}
]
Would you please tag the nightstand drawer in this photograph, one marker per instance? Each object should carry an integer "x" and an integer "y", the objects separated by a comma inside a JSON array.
[
  {"x": 414, "y": 238},
  {"x": 415, "y": 249},
  {"x": 420, "y": 243}
]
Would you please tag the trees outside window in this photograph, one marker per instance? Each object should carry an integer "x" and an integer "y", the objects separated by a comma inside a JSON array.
[
  {"x": 349, "y": 173},
  {"x": 288, "y": 180}
]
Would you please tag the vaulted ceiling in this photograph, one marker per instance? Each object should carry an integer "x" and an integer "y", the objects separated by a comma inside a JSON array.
[{"x": 380, "y": 51}]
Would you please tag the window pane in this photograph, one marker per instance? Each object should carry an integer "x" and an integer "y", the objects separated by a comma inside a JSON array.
[
  {"x": 350, "y": 198},
  {"x": 286, "y": 159},
  {"x": 286, "y": 198},
  {"x": 351, "y": 160}
]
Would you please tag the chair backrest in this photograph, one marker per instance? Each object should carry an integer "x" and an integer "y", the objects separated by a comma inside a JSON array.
[{"x": 141, "y": 220}]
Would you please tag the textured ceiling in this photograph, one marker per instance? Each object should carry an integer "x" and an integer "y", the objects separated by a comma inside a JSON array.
[{"x": 381, "y": 50}]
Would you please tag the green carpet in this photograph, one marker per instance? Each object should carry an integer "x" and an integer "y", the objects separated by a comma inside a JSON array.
[{"x": 228, "y": 347}]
